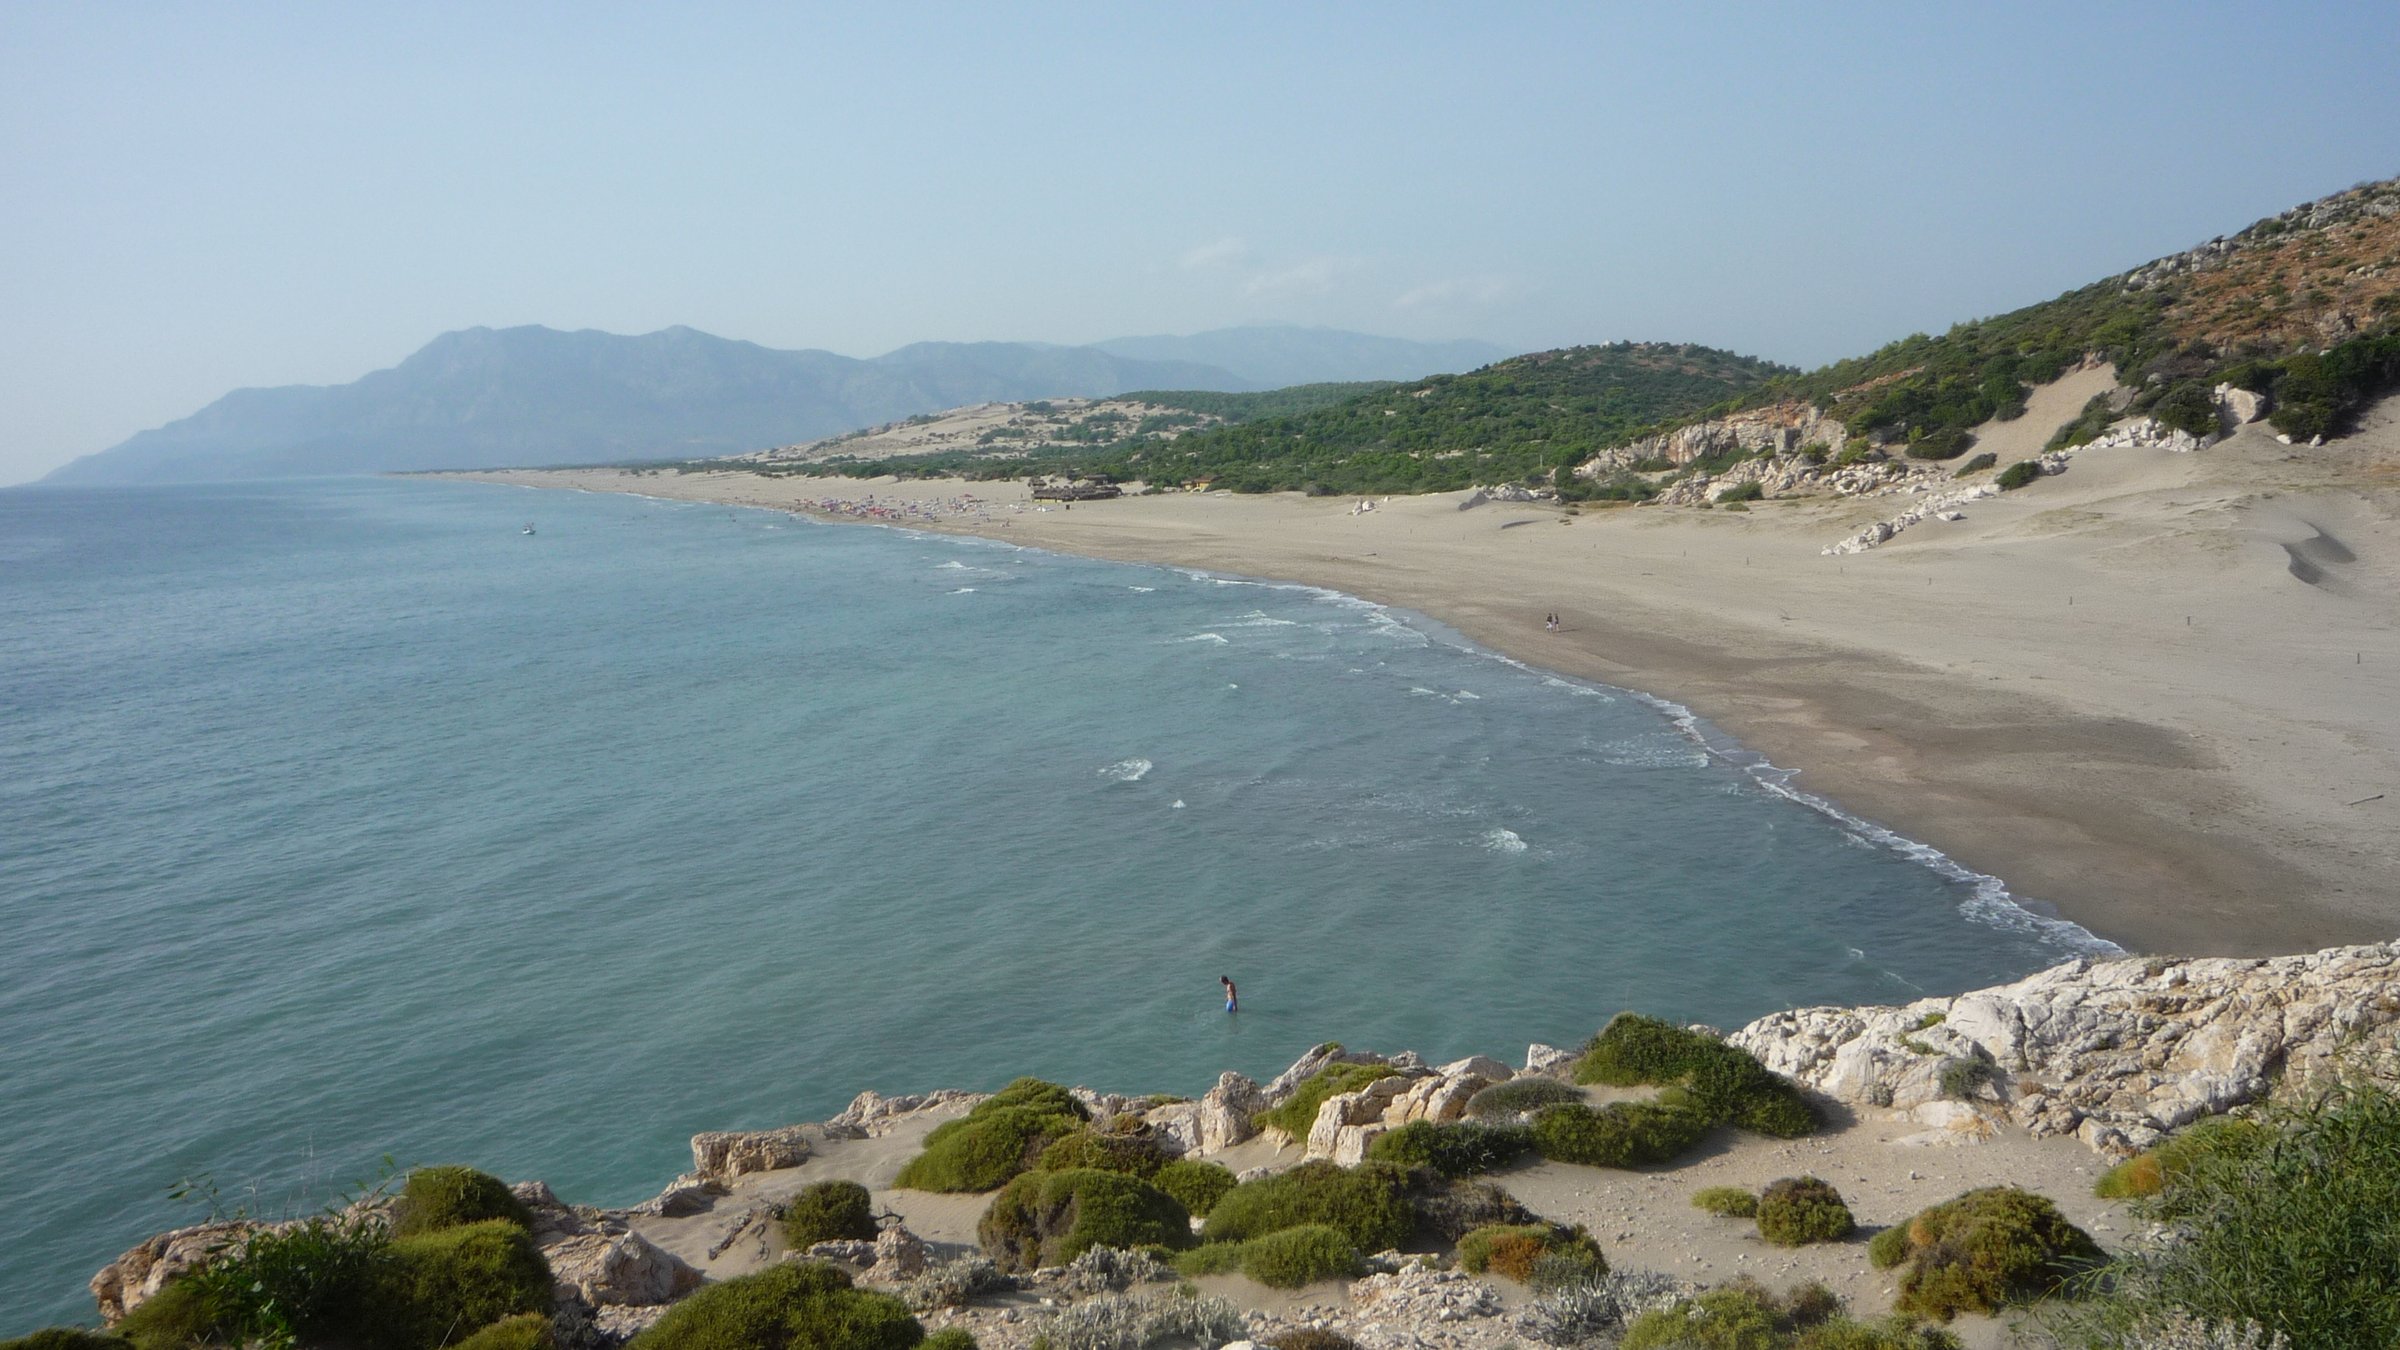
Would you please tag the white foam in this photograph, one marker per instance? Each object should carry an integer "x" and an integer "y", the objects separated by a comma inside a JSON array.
[
  {"x": 1503, "y": 841},
  {"x": 1468, "y": 694},
  {"x": 1143, "y": 589},
  {"x": 1261, "y": 619},
  {"x": 1178, "y": 805},
  {"x": 1127, "y": 770},
  {"x": 1216, "y": 638},
  {"x": 964, "y": 590}
]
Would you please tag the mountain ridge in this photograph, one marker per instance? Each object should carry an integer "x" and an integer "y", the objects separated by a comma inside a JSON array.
[{"x": 530, "y": 394}]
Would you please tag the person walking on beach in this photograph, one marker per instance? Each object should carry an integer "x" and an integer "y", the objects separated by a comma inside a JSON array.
[{"x": 1233, "y": 1002}]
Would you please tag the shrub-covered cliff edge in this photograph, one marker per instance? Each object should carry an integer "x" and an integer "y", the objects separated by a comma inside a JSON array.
[{"x": 1468, "y": 1204}]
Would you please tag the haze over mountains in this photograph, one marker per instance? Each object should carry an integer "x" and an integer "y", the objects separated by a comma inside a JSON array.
[{"x": 533, "y": 395}]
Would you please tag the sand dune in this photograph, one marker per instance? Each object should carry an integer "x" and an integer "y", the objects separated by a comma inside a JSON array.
[{"x": 2160, "y": 692}]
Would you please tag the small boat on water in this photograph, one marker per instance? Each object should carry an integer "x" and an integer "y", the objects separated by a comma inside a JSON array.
[{"x": 528, "y": 528}]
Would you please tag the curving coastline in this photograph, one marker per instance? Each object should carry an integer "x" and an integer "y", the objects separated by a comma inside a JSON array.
[{"x": 2109, "y": 689}]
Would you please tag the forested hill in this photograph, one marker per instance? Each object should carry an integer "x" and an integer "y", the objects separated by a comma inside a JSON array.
[{"x": 1517, "y": 419}]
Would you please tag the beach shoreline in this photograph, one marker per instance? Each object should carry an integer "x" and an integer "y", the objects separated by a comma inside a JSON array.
[{"x": 2109, "y": 690}]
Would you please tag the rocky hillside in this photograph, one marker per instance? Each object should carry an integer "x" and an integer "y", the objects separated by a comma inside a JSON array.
[{"x": 2115, "y": 1054}]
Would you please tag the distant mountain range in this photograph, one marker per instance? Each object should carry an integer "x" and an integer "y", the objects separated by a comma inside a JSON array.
[{"x": 483, "y": 397}]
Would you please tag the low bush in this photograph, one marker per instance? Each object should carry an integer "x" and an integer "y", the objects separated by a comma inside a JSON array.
[
  {"x": 1451, "y": 1210},
  {"x": 954, "y": 1284},
  {"x": 1050, "y": 1218},
  {"x": 525, "y": 1331},
  {"x": 442, "y": 1284},
  {"x": 2187, "y": 405},
  {"x": 1520, "y": 1097},
  {"x": 1626, "y": 1134},
  {"x": 2019, "y": 474},
  {"x": 448, "y": 1197},
  {"x": 948, "y": 1338},
  {"x": 2176, "y": 1158},
  {"x": 1196, "y": 1185},
  {"x": 799, "y": 1305},
  {"x": 829, "y": 1211},
  {"x": 1133, "y": 1321},
  {"x": 68, "y": 1338},
  {"x": 1943, "y": 443},
  {"x": 1964, "y": 1077},
  {"x": 1983, "y": 1251},
  {"x": 1745, "y": 1315},
  {"x": 1889, "y": 1247},
  {"x": 1299, "y": 1111},
  {"x": 317, "y": 1280},
  {"x": 1034, "y": 1094},
  {"x": 1368, "y": 1203},
  {"x": 1518, "y": 1251},
  {"x": 983, "y": 1149},
  {"x": 2098, "y": 411},
  {"x": 1746, "y": 492},
  {"x": 1291, "y": 1257},
  {"x": 1729, "y": 1083},
  {"x": 1977, "y": 465},
  {"x": 2296, "y": 1229},
  {"x": 1137, "y": 1154},
  {"x": 1796, "y": 1211},
  {"x": 1729, "y": 1202},
  {"x": 1454, "y": 1149},
  {"x": 178, "y": 1316}
]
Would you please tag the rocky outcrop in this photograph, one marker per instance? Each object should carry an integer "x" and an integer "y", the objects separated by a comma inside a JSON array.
[
  {"x": 722, "y": 1155},
  {"x": 1782, "y": 429},
  {"x": 127, "y": 1282},
  {"x": 871, "y": 1113},
  {"x": 2115, "y": 1052},
  {"x": 621, "y": 1269},
  {"x": 1349, "y": 1122}
]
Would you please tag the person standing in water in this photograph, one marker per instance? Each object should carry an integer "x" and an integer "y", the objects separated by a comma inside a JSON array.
[{"x": 1232, "y": 1002}]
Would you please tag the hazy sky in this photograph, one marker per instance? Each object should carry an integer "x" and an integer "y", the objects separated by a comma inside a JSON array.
[{"x": 198, "y": 197}]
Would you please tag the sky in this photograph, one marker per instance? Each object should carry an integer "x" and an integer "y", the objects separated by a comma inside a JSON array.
[{"x": 200, "y": 197}]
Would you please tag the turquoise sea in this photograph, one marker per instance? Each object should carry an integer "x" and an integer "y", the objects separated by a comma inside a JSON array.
[{"x": 342, "y": 818}]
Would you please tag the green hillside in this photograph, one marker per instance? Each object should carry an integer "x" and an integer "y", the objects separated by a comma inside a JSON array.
[
  {"x": 1514, "y": 420},
  {"x": 2303, "y": 307}
]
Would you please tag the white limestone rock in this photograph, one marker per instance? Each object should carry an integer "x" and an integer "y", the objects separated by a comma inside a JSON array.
[
  {"x": 2118, "y": 1051},
  {"x": 721, "y": 1155},
  {"x": 618, "y": 1270}
]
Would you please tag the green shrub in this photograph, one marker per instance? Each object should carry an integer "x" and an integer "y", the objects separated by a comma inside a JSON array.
[
  {"x": 1716, "y": 1319},
  {"x": 1943, "y": 443},
  {"x": 1368, "y": 1203},
  {"x": 1988, "y": 1249},
  {"x": 2019, "y": 474},
  {"x": 1625, "y": 1134},
  {"x": 525, "y": 1331},
  {"x": 1963, "y": 1077},
  {"x": 1196, "y": 1185},
  {"x": 1520, "y": 1097},
  {"x": 1454, "y": 1149},
  {"x": 176, "y": 1317},
  {"x": 1299, "y": 1111},
  {"x": 1728, "y": 1082},
  {"x": 2297, "y": 1229},
  {"x": 1291, "y": 1257},
  {"x": 983, "y": 1149},
  {"x": 1796, "y": 1211},
  {"x": 1729, "y": 1202},
  {"x": 829, "y": 1211},
  {"x": 68, "y": 1338},
  {"x": 449, "y": 1197},
  {"x": 1050, "y": 1218},
  {"x": 1517, "y": 1251},
  {"x": 1977, "y": 465},
  {"x": 1891, "y": 1333},
  {"x": 2187, "y": 405},
  {"x": 1889, "y": 1247},
  {"x": 316, "y": 1280},
  {"x": 2098, "y": 411},
  {"x": 1134, "y": 1154},
  {"x": 798, "y": 1305},
  {"x": 1033, "y": 1094},
  {"x": 1746, "y": 492},
  {"x": 949, "y": 1338},
  {"x": 451, "y": 1281},
  {"x": 2174, "y": 1159}
]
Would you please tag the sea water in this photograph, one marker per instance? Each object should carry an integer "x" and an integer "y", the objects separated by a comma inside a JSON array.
[{"x": 346, "y": 819}]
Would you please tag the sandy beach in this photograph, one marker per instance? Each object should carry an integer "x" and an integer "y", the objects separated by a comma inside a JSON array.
[{"x": 2159, "y": 692}]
